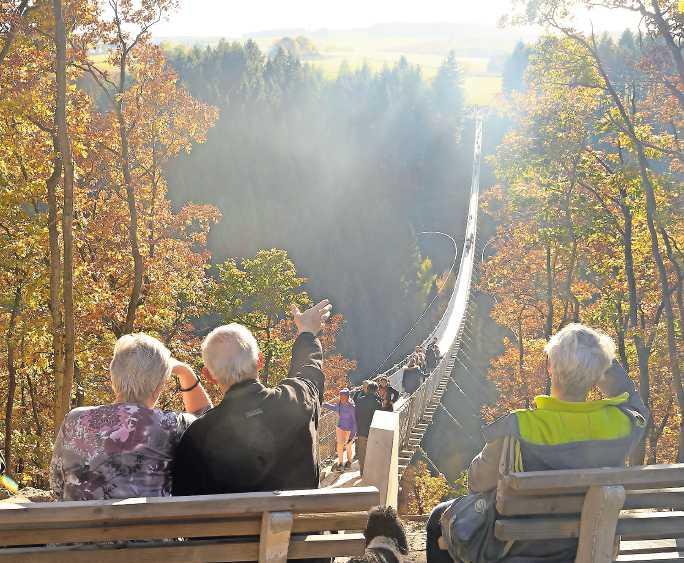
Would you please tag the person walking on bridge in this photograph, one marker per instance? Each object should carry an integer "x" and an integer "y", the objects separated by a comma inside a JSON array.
[
  {"x": 346, "y": 427},
  {"x": 432, "y": 356},
  {"x": 413, "y": 376},
  {"x": 388, "y": 394}
]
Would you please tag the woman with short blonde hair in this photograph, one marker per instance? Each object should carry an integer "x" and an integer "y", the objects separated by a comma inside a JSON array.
[{"x": 124, "y": 449}]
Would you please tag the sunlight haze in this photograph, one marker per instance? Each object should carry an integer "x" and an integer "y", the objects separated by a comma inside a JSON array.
[{"x": 219, "y": 18}]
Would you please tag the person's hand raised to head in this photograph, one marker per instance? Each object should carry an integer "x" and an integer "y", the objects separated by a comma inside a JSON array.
[{"x": 313, "y": 319}]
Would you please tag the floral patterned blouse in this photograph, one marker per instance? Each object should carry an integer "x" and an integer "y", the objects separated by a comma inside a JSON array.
[{"x": 121, "y": 450}]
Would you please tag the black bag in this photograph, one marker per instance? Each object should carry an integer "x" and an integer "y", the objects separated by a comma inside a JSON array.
[{"x": 468, "y": 529}]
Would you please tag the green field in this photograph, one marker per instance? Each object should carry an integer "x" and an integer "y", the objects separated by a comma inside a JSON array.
[
  {"x": 356, "y": 49},
  {"x": 377, "y": 50}
]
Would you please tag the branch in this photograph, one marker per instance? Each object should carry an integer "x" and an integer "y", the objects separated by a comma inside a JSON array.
[{"x": 22, "y": 10}]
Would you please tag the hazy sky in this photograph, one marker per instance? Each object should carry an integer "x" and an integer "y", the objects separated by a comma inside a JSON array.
[{"x": 230, "y": 19}]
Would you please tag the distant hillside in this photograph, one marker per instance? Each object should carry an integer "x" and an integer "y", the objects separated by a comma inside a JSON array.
[
  {"x": 480, "y": 49},
  {"x": 467, "y": 40}
]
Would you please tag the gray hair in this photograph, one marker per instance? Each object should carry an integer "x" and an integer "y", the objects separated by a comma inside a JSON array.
[
  {"x": 578, "y": 357},
  {"x": 139, "y": 366},
  {"x": 231, "y": 354}
]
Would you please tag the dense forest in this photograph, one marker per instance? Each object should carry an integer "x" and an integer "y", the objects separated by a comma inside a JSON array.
[{"x": 342, "y": 174}]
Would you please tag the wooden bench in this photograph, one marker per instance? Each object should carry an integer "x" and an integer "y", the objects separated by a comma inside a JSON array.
[
  {"x": 238, "y": 527},
  {"x": 596, "y": 506}
]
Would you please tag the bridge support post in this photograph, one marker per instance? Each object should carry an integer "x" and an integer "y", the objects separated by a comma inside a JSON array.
[{"x": 381, "y": 468}]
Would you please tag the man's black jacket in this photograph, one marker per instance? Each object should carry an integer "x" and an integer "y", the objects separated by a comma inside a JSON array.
[
  {"x": 431, "y": 358},
  {"x": 365, "y": 405},
  {"x": 391, "y": 397},
  {"x": 258, "y": 438},
  {"x": 412, "y": 379}
]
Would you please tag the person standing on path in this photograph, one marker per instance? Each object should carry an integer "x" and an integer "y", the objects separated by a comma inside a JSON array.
[
  {"x": 367, "y": 402},
  {"x": 432, "y": 356},
  {"x": 346, "y": 428}
]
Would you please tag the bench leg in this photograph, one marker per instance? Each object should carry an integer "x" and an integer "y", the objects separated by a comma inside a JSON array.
[
  {"x": 275, "y": 537},
  {"x": 600, "y": 513}
]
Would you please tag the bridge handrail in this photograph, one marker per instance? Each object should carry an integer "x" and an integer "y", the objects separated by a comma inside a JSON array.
[{"x": 450, "y": 326}]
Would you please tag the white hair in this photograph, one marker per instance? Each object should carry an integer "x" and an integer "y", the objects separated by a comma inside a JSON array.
[
  {"x": 231, "y": 354},
  {"x": 139, "y": 366},
  {"x": 578, "y": 357}
]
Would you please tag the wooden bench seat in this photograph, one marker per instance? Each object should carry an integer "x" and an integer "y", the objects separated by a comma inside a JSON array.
[
  {"x": 595, "y": 506},
  {"x": 239, "y": 527}
]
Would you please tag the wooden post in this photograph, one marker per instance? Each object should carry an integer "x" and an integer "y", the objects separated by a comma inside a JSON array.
[
  {"x": 381, "y": 468},
  {"x": 275, "y": 536},
  {"x": 600, "y": 513}
]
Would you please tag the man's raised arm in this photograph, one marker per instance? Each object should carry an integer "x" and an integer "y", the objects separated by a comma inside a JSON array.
[{"x": 307, "y": 353}]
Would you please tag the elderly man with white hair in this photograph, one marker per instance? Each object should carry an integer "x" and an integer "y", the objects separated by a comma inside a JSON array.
[
  {"x": 257, "y": 438},
  {"x": 125, "y": 449},
  {"x": 565, "y": 431}
]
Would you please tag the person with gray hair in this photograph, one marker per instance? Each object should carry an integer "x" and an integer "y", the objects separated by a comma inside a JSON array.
[
  {"x": 125, "y": 449},
  {"x": 565, "y": 431},
  {"x": 257, "y": 438}
]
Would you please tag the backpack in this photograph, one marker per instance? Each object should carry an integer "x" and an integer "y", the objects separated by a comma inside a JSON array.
[
  {"x": 468, "y": 529},
  {"x": 468, "y": 523}
]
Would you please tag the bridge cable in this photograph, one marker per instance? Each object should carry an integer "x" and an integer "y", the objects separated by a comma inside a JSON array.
[{"x": 434, "y": 299}]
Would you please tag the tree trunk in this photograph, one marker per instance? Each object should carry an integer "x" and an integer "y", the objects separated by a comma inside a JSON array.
[
  {"x": 63, "y": 391},
  {"x": 548, "y": 323},
  {"x": 679, "y": 289},
  {"x": 138, "y": 264},
  {"x": 521, "y": 362},
  {"x": 673, "y": 352},
  {"x": 12, "y": 374},
  {"x": 265, "y": 373},
  {"x": 55, "y": 282},
  {"x": 637, "y": 455}
]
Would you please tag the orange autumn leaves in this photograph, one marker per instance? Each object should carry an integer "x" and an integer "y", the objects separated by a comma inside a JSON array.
[{"x": 161, "y": 120}]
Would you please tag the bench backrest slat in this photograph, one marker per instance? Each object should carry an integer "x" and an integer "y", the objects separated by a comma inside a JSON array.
[
  {"x": 192, "y": 507},
  {"x": 323, "y": 546},
  {"x": 161, "y": 529},
  {"x": 579, "y": 480},
  {"x": 653, "y": 525},
  {"x": 511, "y": 504}
]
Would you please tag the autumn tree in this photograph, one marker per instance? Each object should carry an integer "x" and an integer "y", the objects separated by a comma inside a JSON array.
[
  {"x": 650, "y": 142},
  {"x": 258, "y": 292},
  {"x": 576, "y": 224},
  {"x": 50, "y": 119}
]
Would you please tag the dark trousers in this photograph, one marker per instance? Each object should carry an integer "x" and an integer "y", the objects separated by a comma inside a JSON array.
[
  {"x": 361, "y": 444},
  {"x": 434, "y": 531}
]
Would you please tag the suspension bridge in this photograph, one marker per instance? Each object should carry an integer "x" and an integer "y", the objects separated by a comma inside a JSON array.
[{"x": 417, "y": 410}]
